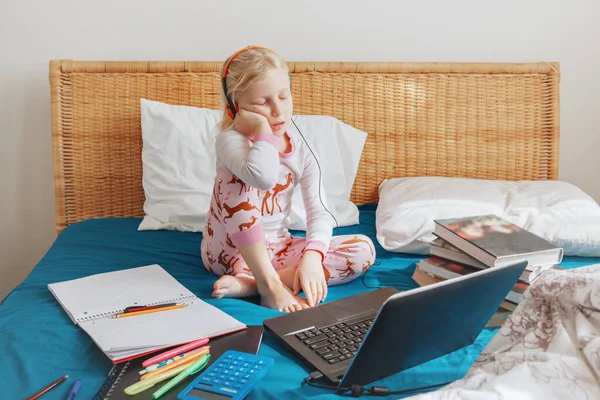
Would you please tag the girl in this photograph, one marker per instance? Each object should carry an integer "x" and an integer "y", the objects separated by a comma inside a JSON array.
[{"x": 259, "y": 162}]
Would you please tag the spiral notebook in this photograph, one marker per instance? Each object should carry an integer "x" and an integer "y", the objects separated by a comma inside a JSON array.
[
  {"x": 127, "y": 373},
  {"x": 93, "y": 301}
]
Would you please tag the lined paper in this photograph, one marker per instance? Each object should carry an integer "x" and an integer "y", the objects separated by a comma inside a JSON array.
[
  {"x": 102, "y": 295},
  {"x": 93, "y": 301}
]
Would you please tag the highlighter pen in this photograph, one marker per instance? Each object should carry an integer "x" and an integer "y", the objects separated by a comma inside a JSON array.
[
  {"x": 172, "y": 353},
  {"x": 192, "y": 369},
  {"x": 161, "y": 364},
  {"x": 185, "y": 360},
  {"x": 141, "y": 386}
]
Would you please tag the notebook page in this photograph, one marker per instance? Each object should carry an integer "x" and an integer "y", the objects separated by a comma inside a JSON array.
[
  {"x": 119, "y": 355},
  {"x": 108, "y": 293},
  {"x": 160, "y": 329}
]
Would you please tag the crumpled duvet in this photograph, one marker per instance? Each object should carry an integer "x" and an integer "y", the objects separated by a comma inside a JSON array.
[{"x": 549, "y": 348}]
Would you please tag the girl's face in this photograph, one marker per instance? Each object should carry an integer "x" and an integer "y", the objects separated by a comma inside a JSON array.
[{"x": 270, "y": 98}]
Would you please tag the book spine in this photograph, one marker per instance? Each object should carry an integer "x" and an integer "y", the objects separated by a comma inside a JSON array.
[
  {"x": 467, "y": 247},
  {"x": 111, "y": 381},
  {"x": 109, "y": 314}
]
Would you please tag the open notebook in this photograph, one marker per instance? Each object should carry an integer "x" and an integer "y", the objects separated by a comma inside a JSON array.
[{"x": 92, "y": 302}]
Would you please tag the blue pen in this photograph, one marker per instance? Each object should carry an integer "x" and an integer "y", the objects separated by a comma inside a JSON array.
[{"x": 74, "y": 389}]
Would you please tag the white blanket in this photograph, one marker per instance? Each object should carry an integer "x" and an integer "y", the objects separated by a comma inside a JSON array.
[{"x": 549, "y": 348}]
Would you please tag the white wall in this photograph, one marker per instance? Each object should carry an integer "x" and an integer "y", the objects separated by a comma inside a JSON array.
[{"x": 34, "y": 32}]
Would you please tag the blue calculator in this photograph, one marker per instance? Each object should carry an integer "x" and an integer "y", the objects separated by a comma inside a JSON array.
[{"x": 230, "y": 377}]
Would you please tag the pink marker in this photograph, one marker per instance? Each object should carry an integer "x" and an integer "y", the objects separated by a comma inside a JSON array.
[{"x": 172, "y": 353}]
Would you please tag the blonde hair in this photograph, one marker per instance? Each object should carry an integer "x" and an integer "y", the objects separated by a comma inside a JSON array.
[{"x": 248, "y": 67}]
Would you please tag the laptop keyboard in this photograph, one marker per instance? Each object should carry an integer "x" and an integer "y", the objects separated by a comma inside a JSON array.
[{"x": 336, "y": 343}]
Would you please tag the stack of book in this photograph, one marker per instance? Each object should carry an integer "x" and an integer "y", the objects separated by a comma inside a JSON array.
[{"x": 466, "y": 245}]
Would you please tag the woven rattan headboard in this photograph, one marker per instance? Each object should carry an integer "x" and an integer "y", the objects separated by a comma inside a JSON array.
[{"x": 490, "y": 121}]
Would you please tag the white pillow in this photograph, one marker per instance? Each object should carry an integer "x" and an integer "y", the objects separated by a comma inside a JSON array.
[
  {"x": 338, "y": 147},
  {"x": 556, "y": 211},
  {"x": 178, "y": 165}
]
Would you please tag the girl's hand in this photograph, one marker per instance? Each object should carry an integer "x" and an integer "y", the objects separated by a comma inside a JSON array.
[
  {"x": 311, "y": 278},
  {"x": 250, "y": 123}
]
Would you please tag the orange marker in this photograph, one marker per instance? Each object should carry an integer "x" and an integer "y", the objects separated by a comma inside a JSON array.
[
  {"x": 134, "y": 313},
  {"x": 191, "y": 357}
]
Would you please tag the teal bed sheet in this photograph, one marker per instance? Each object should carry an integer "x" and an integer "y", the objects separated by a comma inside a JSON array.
[{"x": 39, "y": 343}]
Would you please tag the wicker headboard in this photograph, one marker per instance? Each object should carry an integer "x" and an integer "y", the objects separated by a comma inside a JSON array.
[{"x": 489, "y": 121}]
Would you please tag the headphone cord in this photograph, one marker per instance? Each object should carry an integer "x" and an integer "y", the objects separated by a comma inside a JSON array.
[
  {"x": 323, "y": 204},
  {"x": 357, "y": 390},
  {"x": 365, "y": 274},
  {"x": 320, "y": 176}
]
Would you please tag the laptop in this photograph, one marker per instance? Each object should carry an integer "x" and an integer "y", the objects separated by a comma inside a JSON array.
[{"x": 369, "y": 336}]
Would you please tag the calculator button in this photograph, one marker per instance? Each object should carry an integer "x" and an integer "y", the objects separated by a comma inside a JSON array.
[
  {"x": 216, "y": 381},
  {"x": 221, "y": 376},
  {"x": 227, "y": 383},
  {"x": 228, "y": 389},
  {"x": 243, "y": 381},
  {"x": 206, "y": 379},
  {"x": 237, "y": 385},
  {"x": 252, "y": 371}
]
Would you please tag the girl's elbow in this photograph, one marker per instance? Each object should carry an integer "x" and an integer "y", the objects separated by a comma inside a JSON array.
[
  {"x": 267, "y": 181},
  {"x": 264, "y": 178}
]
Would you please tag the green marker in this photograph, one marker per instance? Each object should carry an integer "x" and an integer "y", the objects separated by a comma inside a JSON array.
[
  {"x": 146, "y": 384},
  {"x": 192, "y": 369}
]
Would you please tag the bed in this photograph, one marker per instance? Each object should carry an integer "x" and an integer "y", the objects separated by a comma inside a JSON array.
[{"x": 490, "y": 121}]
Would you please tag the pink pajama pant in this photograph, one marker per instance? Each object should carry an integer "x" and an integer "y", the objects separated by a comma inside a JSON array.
[{"x": 347, "y": 257}]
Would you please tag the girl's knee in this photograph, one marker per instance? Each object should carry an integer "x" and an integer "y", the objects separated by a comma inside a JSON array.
[
  {"x": 360, "y": 246},
  {"x": 367, "y": 247}
]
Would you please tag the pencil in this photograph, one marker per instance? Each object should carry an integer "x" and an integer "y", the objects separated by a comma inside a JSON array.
[
  {"x": 48, "y": 388},
  {"x": 133, "y": 313}
]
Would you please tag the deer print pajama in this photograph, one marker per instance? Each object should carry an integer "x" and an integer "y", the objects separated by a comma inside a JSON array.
[{"x": 251, "y": 201}]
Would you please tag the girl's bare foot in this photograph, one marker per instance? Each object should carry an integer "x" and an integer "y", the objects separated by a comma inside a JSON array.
[
  {"x": 280, "y": 297},
  {"x": 242, "y": 285},
  {"x": 235, "y": 286}
]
